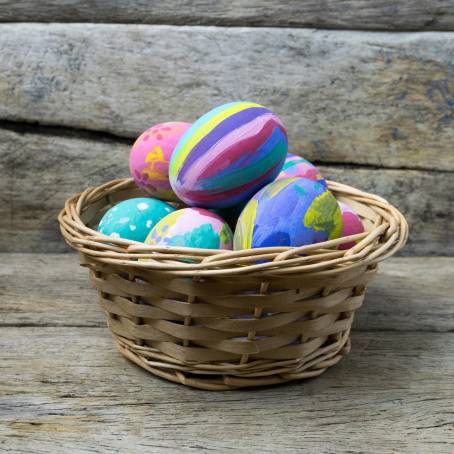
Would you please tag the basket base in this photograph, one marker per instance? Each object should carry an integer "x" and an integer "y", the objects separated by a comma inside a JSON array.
[{"x": 223, "y": 382}]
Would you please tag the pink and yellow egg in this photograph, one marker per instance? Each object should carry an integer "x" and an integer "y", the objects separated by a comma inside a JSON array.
[{"x": 150, "y": 156}]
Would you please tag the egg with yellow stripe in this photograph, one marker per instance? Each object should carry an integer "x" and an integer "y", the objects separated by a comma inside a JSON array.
[
  {"x": 227, "y": 155},
  {"x": 291, "y": 212}
]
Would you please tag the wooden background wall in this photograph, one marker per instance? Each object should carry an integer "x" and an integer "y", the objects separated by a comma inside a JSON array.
[{"x": 79, "y": 80}]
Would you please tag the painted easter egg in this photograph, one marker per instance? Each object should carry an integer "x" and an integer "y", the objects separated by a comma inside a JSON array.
[
  {"x": 150, "y": 155},
  {"x": 298, "y": 167},
  {"x": 290, "y": 212},
  {"x": 133, "y": 219},
  {"x": 351, "y": 224},
  {"x": 227, "y": 155},
  {"x": 192, "y": 227}
]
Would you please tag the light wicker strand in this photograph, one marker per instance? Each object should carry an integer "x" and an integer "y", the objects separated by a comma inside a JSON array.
[{"x": 220, "y": 320}]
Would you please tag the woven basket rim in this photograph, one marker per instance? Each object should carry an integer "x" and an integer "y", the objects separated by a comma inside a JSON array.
[{"x": 386, "y": 233}]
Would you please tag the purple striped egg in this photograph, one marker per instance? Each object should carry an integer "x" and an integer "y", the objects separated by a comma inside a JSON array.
[{"x": 227, "y": 155}]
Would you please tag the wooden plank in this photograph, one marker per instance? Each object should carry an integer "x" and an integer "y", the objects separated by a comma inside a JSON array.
[
  {"x": 409, "y": 294},
  {"x": 68, "y": 390},
  {"x": 425, "y": 198},
  {"x": 414, "y": 293},
  {"x": 354, "y": 14},
  {"x": 380, "y": 99},
  {"x": 40, "y": 171},
  {"x": 47, "y": 290}
]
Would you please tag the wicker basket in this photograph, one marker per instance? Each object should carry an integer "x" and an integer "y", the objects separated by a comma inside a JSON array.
[{"x": 221, "y": 320}]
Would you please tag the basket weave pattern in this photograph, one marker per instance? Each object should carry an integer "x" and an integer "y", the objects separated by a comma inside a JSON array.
[{"x": 228, "y": 319}]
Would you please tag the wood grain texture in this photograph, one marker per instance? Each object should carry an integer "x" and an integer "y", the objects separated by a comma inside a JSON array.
[
  {"x": 350, "y": 14},
  {"x": 381, "y": 99},
  {"x": 64, "y": 387},
  {"x": 40, "y": 171},
  {"x": 425, "y": 198},
  {"x": 68, "y": 390},
  {"x": 409, "y": 294}
]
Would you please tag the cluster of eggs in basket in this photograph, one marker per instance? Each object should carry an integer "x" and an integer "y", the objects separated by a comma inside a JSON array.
[{"x": 237, "y": 183}]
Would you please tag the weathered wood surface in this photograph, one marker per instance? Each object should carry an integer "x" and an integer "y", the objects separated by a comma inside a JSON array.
[
  {"x": 64, "y": 387},
  {"x": 380, "y": 99},
  {"x": 68, "y": 390},
  {"x": 409, "y": 294},
  {"x": 349, "y": 14},
  {"x": 425, "y": 198},
  {"x": 39, "y": 171}
]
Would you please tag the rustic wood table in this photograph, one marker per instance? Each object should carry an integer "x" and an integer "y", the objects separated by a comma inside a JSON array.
[
  {"x": 65, "y": 388},
  {"x": 366, "y": 92}
]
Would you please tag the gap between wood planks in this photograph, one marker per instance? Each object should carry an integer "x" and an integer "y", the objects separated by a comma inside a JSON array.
[
  {"x": 102, "y": 326},
  {"x": 410, "y": 294},
  {"x": 24, "y": 127},
  {"x": 248, "y": 25}
]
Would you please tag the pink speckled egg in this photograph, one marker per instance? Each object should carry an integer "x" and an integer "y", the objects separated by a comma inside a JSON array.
[
  {"x": 298, "y": 167},
  {"x": 150, "y": 156},
  {"x": 351, "y": 224}
]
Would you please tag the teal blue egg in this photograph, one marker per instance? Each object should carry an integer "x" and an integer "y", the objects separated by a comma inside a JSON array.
[{"x": 133, "y": 219}]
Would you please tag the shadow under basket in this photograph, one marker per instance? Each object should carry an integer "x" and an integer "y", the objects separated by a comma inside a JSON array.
[{"x": 221, "y": 320}]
